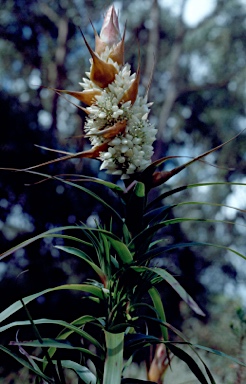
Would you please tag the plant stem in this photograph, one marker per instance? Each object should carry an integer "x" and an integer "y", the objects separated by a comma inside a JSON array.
[{"x": 114, "y": 359}]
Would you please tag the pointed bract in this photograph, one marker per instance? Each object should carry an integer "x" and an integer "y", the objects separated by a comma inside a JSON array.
[
  {"x": 111, "y": 132},
  {"x": 87, "y": 96},
  {"x": 117, "y": 53},
  {"x": 102, "y": 73},
  {"x": 132, "y": 92}
]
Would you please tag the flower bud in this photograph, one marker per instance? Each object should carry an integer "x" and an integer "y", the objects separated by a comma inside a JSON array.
[{"x": 110, "y": 32}]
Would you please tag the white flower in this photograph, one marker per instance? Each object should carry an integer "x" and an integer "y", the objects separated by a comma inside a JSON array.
[{"x": 117, "y": 124}]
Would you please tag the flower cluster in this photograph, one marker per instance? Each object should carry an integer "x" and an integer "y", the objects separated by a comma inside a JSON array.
[{"x": 117, "y": 117}]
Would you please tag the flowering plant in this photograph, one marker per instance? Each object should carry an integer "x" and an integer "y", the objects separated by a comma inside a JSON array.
[{"x": 121, "y": 138}]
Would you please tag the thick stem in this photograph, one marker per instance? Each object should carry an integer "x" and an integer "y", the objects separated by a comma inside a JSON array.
[{"x": 114, "y": 359}]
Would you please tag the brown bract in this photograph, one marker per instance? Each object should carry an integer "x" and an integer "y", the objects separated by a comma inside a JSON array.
[
  {"x": 132, "y": 92},
  {"x": 87, "y": 96},
  {"x": 102, "y": 73},
  {"x": 110, "y": 132}
]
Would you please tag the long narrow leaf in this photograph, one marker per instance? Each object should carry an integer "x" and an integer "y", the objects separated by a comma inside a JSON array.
[
  {"x": 93, "y": 194},
  {"x": 220, "y": 353},
  {"x": 24, "y": 363},
  {"x": 155, "y": 296},
  {"x": 46, "y": 343},
  {"x": 179, "y": 289},
  {"x": 82, "y": 255},
  {"x": 184, "y": 187},
  {"x": 96, "y": 291},
  {"x": 40, "y": 236},
  {"x": 149, "y": 232},
  {"x": 83, "y": 372},
  {"x": 62, "y": 323},
  {"x": 189, "y": 361},
  {"x": 175, "y": 285}
]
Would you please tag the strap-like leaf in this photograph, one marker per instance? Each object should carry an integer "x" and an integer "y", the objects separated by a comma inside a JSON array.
[
  {"x": 175, "y": 285},
  {"x": 46, "y": 343},
  {"x": 156, "y": 298},
  {"x": 83, "y": 372},
  {"x": 82, "y": 255},
  {"x": 182, "y": 355},
  {"x": 96, "y": 291},
  {"x": 24, "y": 363},
  {"x": 62, "y": 323},
  {"x": 50, "y": 233}
]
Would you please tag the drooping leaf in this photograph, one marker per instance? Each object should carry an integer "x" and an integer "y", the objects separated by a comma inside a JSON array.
[
  {"x": 155, "y": 296},
  {"x": 42, "y": 235},
  {"x": 221, "y": 354},
  {"x": 27, "y": 365},
  {"x": 188, "y": 186},
  {"x": 189, "y": 361},
  {"x": 156, "y": 215},
  {"x": 83, "y": 372},
  {"x": 93, "y": 194},
  {"x": 158, "y": 251},
  {"x": 46, "y": 343},
  {"x": 82, "y": 255},
  {"x": 62, "y": 323},
  {"x": 136, "y": 341},
  {"x": 179, "y": 289},
  {"x": 96, "y": 291},
  {"x": 176, "y": 286}
]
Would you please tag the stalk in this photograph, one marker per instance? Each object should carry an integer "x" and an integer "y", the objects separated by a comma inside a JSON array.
[{"x": 114, "y": 359}]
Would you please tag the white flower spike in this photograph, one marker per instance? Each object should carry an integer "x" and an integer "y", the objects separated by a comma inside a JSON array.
[{"x": 117, "y": 115}]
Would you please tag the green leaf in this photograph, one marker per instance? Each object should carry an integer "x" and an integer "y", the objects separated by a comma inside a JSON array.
[
  {"x": 64, "y": 324},
  {"x": 156, "y": 298},
  {"x": 150, "y": 231},
  {"x": 83, "y": 372},
  {"x": 27, "y": 365},
  {"x": 179, "y": 289},
  {"x": 219, "y": 353},
  {"x": 135, "y": 341},
  {"x": 86, "y": 190},
  {"x": 107, "y": 184},
  {"x": 175, "y": 285},
  {"x": 184, "y": 187},
  {"x": 182, "y": 355},
  {"x": 114, "y": 360},
  {"x": 156, "y": 215},
  {"x": 49, "y": 233},
  {"x": 94, "y": 195},
  {"x": 96, "y": 291},
  {"x": 82, "y": 255},
  {"x": 46, "y": 343},
  {"x": 121, "y": 249}
]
